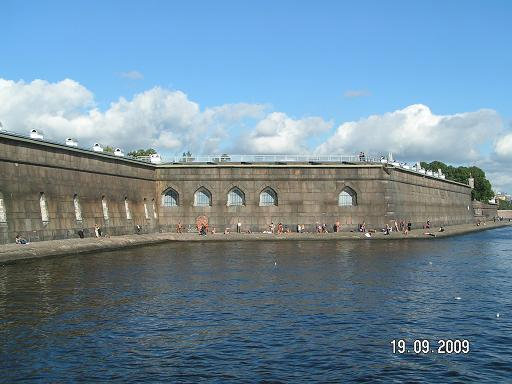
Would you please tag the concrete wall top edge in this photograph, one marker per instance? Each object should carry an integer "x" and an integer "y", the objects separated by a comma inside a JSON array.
[
  {"x": 73, "y": 150},
  {"x": 396, "y": 169},
  {"x": 111, "y": 158}
]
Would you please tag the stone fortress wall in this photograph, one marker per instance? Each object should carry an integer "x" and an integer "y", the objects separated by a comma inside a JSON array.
[
  {"x": 65, "y": 177},
  {"x": 308, "y": 194},
  {"x": 29, "y": 168},
  {"x": 506, "y": 214}
]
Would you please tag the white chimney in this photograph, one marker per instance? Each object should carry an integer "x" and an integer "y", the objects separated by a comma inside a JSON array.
[
  {"x": 118, "y": 152},
  {"x": 71, "y": 143},
  {"x": 97, "y": 147},
  {"x": 36, "y": 135},
  {"x": 155, "y": 158}
]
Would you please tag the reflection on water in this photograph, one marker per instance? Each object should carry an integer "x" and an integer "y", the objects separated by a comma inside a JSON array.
[{"x": 261, "y": 311}]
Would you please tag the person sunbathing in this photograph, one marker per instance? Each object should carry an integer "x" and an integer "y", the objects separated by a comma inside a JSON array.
[{"x": 20, "y": 240}]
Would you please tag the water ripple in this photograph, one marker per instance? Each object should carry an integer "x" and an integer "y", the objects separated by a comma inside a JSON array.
[{"x": 225, "y": 312}]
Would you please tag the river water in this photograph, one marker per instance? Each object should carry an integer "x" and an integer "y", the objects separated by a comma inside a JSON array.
[{"x": 262, "y": 312}]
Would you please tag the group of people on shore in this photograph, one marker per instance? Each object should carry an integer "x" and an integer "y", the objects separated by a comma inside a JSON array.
[
  {"x": 400, "y": 226},
  {"x": 322, "y": 228},
  {"x": 394, "y": 226},
  {"x": 277, "y": 229},
  {"x": 280, "y": 228},
  {"x": 203, "y": 229}
]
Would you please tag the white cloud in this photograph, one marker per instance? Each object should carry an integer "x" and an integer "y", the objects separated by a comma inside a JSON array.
[
  {"x": 503, "y": 147},
  {"x": 40, "y": 97},
  {"x": 171, "y": 122},
  {"x": 354, "y": 93},
  {"x": 500, "y": 181},
  {"x": 416, "y": 133},
  {"x": 496, "y": 171},
  {"x": 132, "y": 75},
  {"x": 157, "y": 117},
  {"x": 279, "y": 134}
]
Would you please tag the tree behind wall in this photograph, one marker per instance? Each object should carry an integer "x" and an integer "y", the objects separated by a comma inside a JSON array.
[
  {"x": 503, "y": 204},
  {"x": 483, "y": 189},
  {"x": 142, "y": 152}
]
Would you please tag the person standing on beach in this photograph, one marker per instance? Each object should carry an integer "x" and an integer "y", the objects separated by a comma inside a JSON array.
[{"x": 239, "y": 227}]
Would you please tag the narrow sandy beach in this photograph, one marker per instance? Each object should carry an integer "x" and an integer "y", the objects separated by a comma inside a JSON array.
[{"x": 16, "y": 252}]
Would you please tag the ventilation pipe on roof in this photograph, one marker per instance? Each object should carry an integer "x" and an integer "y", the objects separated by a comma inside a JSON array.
[
  {"x": 97, "y": 147},
  {"x": 36, "y": 135},
  {"x": 118, "y": 152},
  {"x": 71, "y": 143},
  {"x": 155, "y": 158}
]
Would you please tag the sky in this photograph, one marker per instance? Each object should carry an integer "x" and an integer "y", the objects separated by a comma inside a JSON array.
[{"x": 426, "y": 80}]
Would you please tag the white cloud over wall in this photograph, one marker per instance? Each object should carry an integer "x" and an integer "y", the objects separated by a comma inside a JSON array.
[
  {"x": 416, "y": 133},
  {"x": 157, "y": 117},
  {"x": 279, "y": 134},
  {"x": 169, "y": 120}
]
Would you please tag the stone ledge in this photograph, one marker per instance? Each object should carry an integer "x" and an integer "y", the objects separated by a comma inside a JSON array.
[{"x": 14, "y": 252}]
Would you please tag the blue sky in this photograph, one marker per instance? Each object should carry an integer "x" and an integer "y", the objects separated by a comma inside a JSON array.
[
  {"x": 298, "y": 56},
  {"x": 333, "y": 60}
]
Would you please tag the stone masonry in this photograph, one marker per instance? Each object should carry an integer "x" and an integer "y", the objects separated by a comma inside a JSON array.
[{"x": 307, "y": 193}]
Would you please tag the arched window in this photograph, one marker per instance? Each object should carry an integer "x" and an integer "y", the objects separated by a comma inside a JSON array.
[
  {"x": 170, "y": 198},
  {"x": 78, "y": 209},
  {"x": 268, "y": 197},
  {"x": 104, "y": 207},
  {"x": 146, "y": 213},
  {"x": 155, "y": 214},
  {"x": 347, "y": 197},
  {"x": 3, "y": 213},
  {"x": 236, "y": 197},
  {"x": 127, "y": 209},
  {"x": 45, "y": 217},
  {"x": 202, "y": 197}
]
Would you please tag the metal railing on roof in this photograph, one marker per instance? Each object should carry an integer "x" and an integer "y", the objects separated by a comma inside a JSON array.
[{"x": 269, "y": 159}]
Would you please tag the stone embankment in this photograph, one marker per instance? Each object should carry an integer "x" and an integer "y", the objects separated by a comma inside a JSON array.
[{"x": 17, "y": 252}]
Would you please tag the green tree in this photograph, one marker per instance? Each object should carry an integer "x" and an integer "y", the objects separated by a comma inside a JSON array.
[
  {"x": 483, "y": 189},
  {"x": 142, "y": 152},
  {"x": 109, "y": 149},
  {"x": 504, "y": 204}
]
